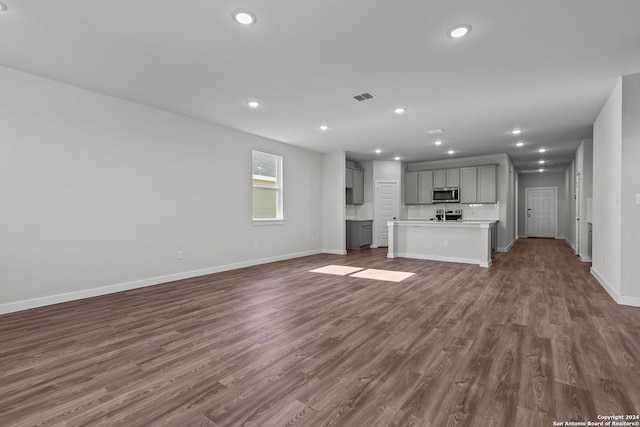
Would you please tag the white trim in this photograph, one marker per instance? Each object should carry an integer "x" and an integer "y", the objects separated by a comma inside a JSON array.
[
  {"x": 334, "y": 251},
  {"x": 508, "y": 248},
  {"x": 268, "y": 221},
  {"x": 571, "y": 245},
  {"x": 555, "y": 214},
  {"x": 585, "y": 258},
  {"x": 104, "y": 290},
  {"x": 620, "y": 299},
  {"x": 375, "y": 224}
]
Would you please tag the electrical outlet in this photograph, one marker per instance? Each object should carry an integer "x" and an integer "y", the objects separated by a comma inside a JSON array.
[
  {"x": 255, "y": 245},
  {"x": 604, "y": 259},
  {"x": 446, "y": 243},
  {"x": 180, "y": 255},
  {"x": 313, "y": 238}
]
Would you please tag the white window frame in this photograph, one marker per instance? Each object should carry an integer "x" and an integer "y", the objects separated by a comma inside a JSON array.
[{"x": 279, "y": 219}]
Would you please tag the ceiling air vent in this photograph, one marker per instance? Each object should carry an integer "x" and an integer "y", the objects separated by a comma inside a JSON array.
[{"x": 363, "y": 97}]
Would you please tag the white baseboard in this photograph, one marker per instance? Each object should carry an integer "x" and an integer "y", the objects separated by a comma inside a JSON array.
[
  {"x": 585, "y": 258},
  {"x": 334, "y": 251},
  {"x": 620, "y": 299},
  {"x": 571, "y": 245},
  {"x": 508, "y": 248},
  {"x": 104, "y": 290}
]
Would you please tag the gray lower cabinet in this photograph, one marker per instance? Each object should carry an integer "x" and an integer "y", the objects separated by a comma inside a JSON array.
[{"x": 359, "y": 234}]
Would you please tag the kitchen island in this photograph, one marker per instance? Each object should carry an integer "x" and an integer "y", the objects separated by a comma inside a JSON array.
[{"x": 468, "y": 242}]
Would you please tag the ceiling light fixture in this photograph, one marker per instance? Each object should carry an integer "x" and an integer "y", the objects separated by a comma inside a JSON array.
[
  {"x": 542, "y": 150},
  {"x": 397, "y": 158},
  {"x": 324, "y": 127},
  {"x": 400, "y": 110},
  {"x": 516, "y": 131},
  {"x": 3, "y": 7},
  {"x": 541, "y": 162},
  {"x": 459, "y": 31},
  {"x": 244, "y": 17},
  {"x": 540, "y": 170},
  {"x": 378, "y": 151},
  {"x": 519, "y": 143},
  {"x": 253, "y": 104},
  {"x": 435, "y": 131},
  {"x": 438, "y": 142},
  {"x": 450, "y": 152}
]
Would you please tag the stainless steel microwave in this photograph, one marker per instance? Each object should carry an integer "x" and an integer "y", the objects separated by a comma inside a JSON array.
[{"x": 446, "y": 195}]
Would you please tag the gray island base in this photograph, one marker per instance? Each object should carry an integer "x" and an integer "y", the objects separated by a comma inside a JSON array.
[{"x": 468, "y": 242}]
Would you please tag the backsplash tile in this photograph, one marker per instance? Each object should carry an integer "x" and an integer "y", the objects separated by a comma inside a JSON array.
[
  {"x": 469, "y": 211},
  {"x": 359, "y": 212}
]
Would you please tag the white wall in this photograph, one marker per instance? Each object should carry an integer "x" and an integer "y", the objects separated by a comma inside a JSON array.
[
  {"x": 98, "y": 195},
  {"x": 607, "y": 183},
  {"x": 630, "y": 240},
  {"x": 333, "y": 203},
  {"x": 533, "y": 180}
]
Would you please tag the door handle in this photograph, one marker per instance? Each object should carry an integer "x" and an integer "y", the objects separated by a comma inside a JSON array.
[{"x": 529, "y": 213}]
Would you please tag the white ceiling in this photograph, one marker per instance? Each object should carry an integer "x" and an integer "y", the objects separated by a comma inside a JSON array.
[{"x": 545, "y": 66}]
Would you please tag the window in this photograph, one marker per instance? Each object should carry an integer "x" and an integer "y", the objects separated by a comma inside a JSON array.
[{"x": 267, "y": 187}]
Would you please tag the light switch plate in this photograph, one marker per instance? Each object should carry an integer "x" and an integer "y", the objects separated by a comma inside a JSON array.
[{"x": 637, "y": 199}]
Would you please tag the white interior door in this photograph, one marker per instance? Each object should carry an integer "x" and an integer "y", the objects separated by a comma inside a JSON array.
[
  {"x": 541, "y": 212},
  {"x": 387, "y": 209}
]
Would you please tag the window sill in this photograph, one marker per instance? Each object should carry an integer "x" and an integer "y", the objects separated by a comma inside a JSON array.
[{"x": 268, "y": 221}]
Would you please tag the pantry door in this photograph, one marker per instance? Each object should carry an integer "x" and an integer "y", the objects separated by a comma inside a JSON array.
[
  {"x": 541, "y": 212},
  {"x": 387, "y": 209}
]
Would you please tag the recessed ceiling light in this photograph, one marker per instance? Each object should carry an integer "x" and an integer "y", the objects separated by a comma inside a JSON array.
[
  {"x": 400, "y": 110},
  {"x": 450, "y": 152},
  {"x": 459, "y": 31},
  {"x": 3, "y": 7},
  {"x": 516, "y": 131},
  {"x": 542, "y": 150},
  {"x": 397, "y": 158},
  {"x": 520, "y": 143},
  {"x": 253, "y": 104},
  {"x": 541, "y": 162},
  {"x": 378, "y": 151},
  {"x": 540, "y": 170},
  {"x": 244, "y": 17},
  {"x": 324, "y": 127},
  {"x": 435, "y": 131},
  {"x": 438, "y": 142}
]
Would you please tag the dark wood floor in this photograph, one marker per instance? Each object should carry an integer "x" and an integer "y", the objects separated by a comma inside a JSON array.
[{"x": 531, "y": 340}]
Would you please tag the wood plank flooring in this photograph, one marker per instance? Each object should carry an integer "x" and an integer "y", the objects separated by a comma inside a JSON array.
[{"x": 531, "y": 340}]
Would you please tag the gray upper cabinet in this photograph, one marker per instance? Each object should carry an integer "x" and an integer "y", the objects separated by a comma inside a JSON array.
[
  {"x": 446, "y": 178},
  {"x": 354, "y": 183},
  {"x": 358, "y": 187},
  {"x": 348, "y": 177},
  {"x": 411, "y": 188},
  {"x": 468, "y": 185},
  {"x": 453, "y": 178},
  {"x": 487, "y": 184},
  {"x": 440, "y": 178},
  {"x": 425, "y": 187}
]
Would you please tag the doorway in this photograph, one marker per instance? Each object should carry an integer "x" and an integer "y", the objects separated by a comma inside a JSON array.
[
  {"x": 578, "y": 200},
  {"x": 387, "y": 209},
  {"x": 542, "y": 212}
]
